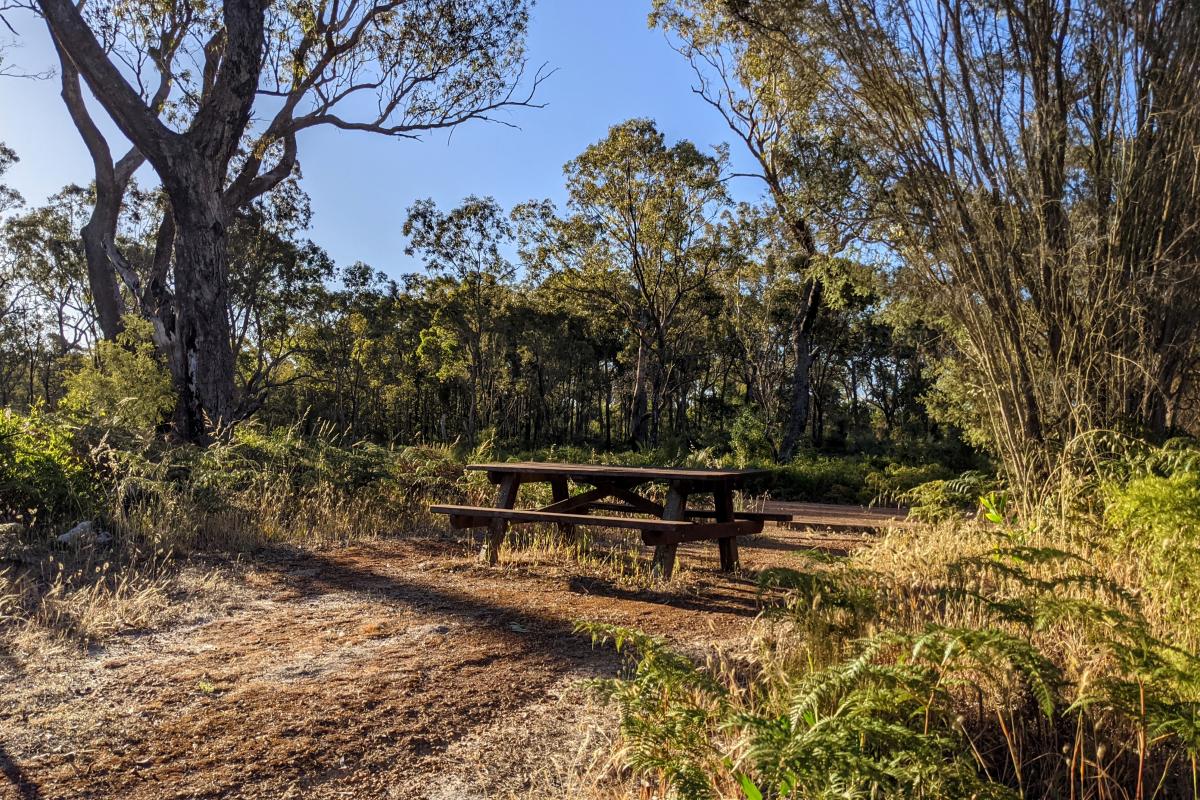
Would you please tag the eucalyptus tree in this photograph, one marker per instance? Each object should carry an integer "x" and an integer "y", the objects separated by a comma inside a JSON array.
[
  {"x": 396, "y": 68},
  {"x": 9, "y": 198},
  {"x": 639, "y": 238},
  {"x": 46, "y": 272},
  {"x": 775, "y": 99},
  {"x": 467, "y": 246}
]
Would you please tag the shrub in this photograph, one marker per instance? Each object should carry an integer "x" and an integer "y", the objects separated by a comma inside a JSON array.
[
  {"x": 42, "y": 478},
  {"x": 943, "y": 499},
  {"x": 960, "y": 688},
  {"x": 826, "y": 479},
  {"x": 1157, "y": 520},
  {"x": 748, "y": 438},
  {"x": 890, "y": 484},
  {"x": 125, "y": 387}
]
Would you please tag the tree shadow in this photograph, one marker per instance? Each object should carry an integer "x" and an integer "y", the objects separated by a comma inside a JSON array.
[
  {"x": 740, "y": 600},
  {"x": 313, "y": 574},
  {"x": 26, "y": 789},
  {"x": 526, "y": 629}
]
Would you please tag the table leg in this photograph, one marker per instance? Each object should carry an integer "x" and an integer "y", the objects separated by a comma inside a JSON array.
[
  {"x": 505, "y": 498},
  {"x": 664, "y": 554},
  {"x": 723, "y": 500},
  {"x": 560, "y": 492}
]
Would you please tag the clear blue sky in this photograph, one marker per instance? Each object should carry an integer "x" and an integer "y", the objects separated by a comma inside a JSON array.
[{"x": 610, "y": 68}]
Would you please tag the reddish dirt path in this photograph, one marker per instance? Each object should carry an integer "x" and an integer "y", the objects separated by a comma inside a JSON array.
[
  {"x": 353, "y": 671},
  {"x": 393, "y": 669}
]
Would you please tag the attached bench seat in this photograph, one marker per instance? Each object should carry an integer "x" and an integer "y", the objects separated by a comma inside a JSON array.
[
  {"x": 699, "y": 513},
  {"x": 467, "y": 516},
  {"x": 654, "y": 531}
]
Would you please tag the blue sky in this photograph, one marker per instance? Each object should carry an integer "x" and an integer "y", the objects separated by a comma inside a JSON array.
[{"x": 610, "y": 67}]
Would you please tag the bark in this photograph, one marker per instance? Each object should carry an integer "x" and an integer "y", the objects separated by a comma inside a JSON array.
[
  {"x": 797, "y": 417},
  {"x": 801, "y": 343},
  {"x": 203, "y": 358},
  {"x": 99, "y": 233},
  {"x": 639, "y": 414}
]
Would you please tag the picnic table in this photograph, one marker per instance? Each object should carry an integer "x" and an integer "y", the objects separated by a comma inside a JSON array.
[{"x": 619, "y": 489}]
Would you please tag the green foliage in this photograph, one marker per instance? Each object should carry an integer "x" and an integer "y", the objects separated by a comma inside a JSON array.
[
  {"x": 946, "y": 498},
  {"x": 828, "y": 479},
  {"x": 125, "y": 386},
  {"x": 855, "y": 696},
  {"x": 891, "y": 484},
  {"x": 42, "y": 477},
  {"x": 748, "y": 439},
  {"x": 1152, "y": 501}
]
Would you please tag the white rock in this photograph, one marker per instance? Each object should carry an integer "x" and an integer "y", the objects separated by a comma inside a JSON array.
[
  {"x": 11, "y": 529},
  {"x": 85, "y": 530}
]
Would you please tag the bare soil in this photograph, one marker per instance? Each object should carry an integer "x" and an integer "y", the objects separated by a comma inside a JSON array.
[{"x": 395, "y": 669}]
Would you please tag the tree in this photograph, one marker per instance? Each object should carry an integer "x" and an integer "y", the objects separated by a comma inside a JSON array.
[
  {"x": 466, "y": 246},
  {"x": 639, "y": 238},
  {"x": 192, "y": 165},
  {"x": 430, "y": 64},
  {"x": 47, "y": 271},
  {"x": 775, "y": 100},
  {"x": 1038, "y": 164}
]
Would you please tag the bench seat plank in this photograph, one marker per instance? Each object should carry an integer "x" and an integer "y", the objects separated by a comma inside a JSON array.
[
  {"x": 760, "y": 516},
  {"x": 521, "y": 515},
  {"x": 695, "y": 532}
]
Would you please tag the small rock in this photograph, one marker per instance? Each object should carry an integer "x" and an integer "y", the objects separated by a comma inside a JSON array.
[
  {"x": 13, "y": 529},
  {"x": 85, "y": 531}
]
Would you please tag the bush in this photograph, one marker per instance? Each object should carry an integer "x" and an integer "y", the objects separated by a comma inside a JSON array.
[
  {"x": 891, "y": 484},
  {"x": 823, "y": 479},
  {"x": 278, "y": 485},
  {"x": 871, "y": 687},
  {"x": 1155, "y": 513},
  {"x": 43, "y": 480},
  {"x": 126, "y": 387},
  {"x": 748, "y": 437},
  {"x": 943, "y": 499}
]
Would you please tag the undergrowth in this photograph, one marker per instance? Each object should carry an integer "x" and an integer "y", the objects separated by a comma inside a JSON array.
[{"x": 989, "y": 658}]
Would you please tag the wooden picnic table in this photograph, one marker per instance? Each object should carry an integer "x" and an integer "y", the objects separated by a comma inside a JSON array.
[{"x": 617, "y": 489}]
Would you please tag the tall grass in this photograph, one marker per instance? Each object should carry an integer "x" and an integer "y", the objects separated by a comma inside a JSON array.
[{"x": 156, "y": 503}]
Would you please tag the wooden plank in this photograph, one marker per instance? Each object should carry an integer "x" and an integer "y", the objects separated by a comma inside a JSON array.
[
  {"x": 580, "y": 501},
  {"x": 689, "y": 531},
  {"x": 538, "y": 469},
  {"x": 505, "y": 498},
  {"x": 664, "y": 551},
  {"x": 523, "y": 515},
  {"x": 723, "y": 500},
  {"x": 586, "y": 504},
  {"x": 761, "y": 516},
  {"x": 459, "y": 521},
  {"x": 704, "y": 531},
  {"x": 643, "y": 504},
  {"x": 562, "y": 494},
  {"x": 622, "y": 507}
]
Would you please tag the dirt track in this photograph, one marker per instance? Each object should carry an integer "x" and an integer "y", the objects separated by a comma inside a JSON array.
[{"x": 395, "y": 669}]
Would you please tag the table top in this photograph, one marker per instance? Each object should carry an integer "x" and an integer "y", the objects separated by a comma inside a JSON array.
[{"x": 585, "y": 471}]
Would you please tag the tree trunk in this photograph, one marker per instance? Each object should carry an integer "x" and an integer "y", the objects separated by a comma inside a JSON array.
[
  {"x": 802, "y": 361},
  {"x": 204, "y": 355},
  {"x": 801, "y": 390},
  {"x": 639, "y": 416},
  {"x": 99, "y": 248}
]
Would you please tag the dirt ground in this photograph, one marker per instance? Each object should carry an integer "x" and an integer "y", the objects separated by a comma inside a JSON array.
[{"x": 397, "y": 668}]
